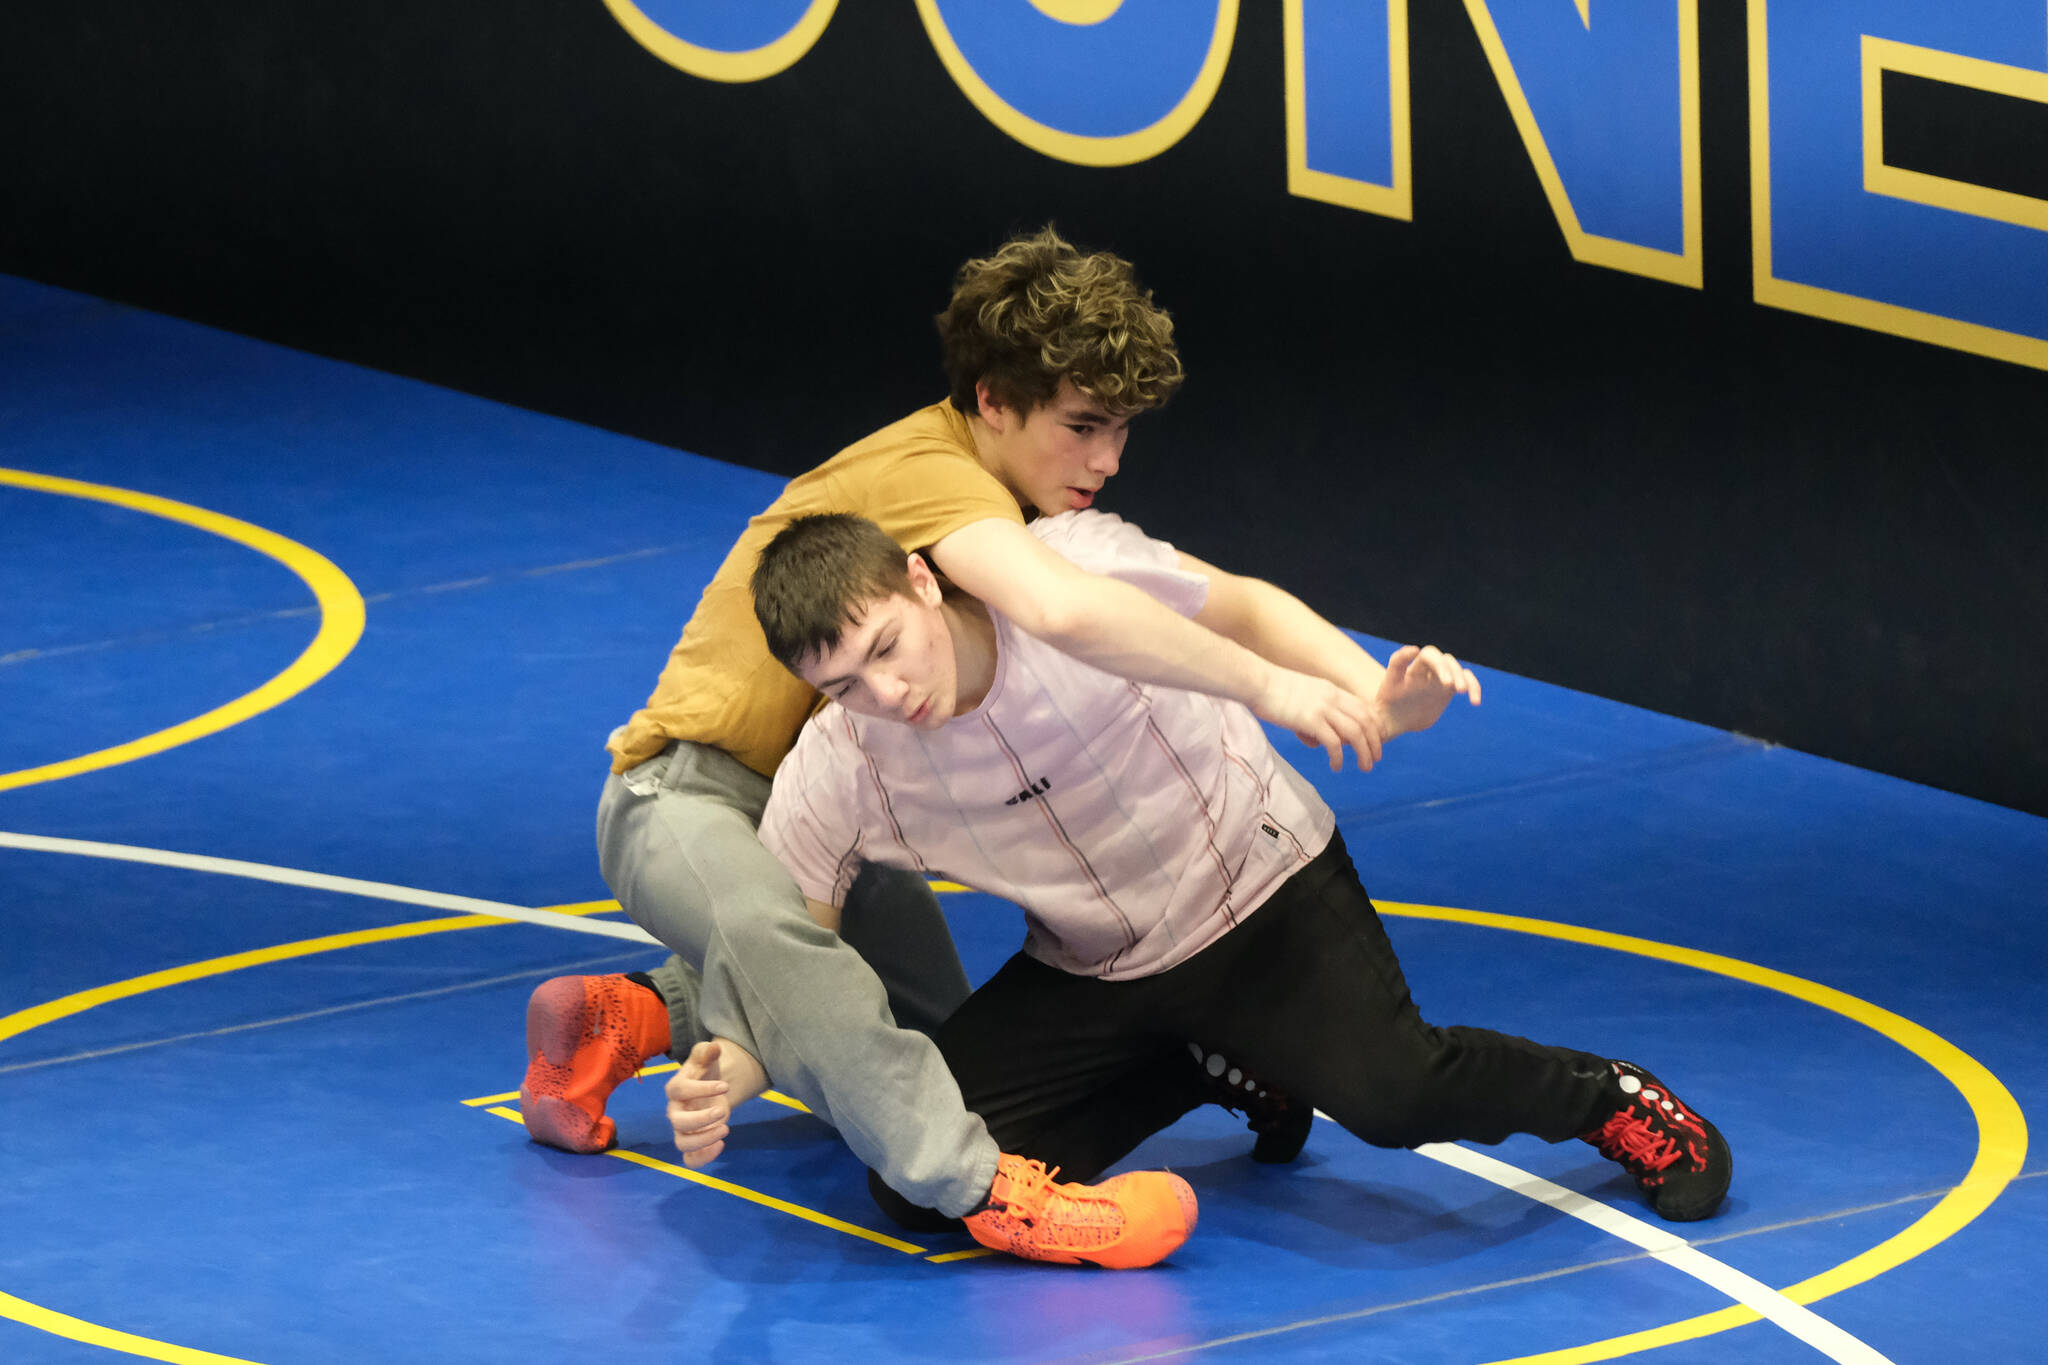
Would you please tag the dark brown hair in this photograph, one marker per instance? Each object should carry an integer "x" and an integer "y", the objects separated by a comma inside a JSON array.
[{"x": 815, "y": 579}]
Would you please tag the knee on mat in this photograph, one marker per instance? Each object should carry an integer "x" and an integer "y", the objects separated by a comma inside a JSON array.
[{"x": 906, "y": 1215}]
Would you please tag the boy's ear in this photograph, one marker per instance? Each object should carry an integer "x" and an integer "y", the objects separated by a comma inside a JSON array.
[
  {"x": 923, "y": 581},
  {"x": 991, "y": 407}
]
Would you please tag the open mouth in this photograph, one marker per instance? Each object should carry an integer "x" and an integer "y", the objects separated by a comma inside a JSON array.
[{"x": 1080, "y": 497}]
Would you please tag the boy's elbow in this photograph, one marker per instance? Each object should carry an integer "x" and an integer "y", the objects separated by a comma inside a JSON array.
[
  {"x": 1055, "y": 612},
  {"x": 1053, "y": 617}
]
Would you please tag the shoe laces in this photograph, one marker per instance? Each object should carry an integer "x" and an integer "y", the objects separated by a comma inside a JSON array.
[
  {"x": 1025, "y": 1190},
  {"x": 1630, "y": 1137},
  {"x": 1031, "y": 1196}
]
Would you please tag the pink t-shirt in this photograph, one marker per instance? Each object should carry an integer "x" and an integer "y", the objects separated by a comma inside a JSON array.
[{"x": 1133, "y": 824}]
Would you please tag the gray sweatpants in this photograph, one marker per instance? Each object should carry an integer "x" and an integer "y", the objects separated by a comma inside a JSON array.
[{"x": 677, "y": 845}]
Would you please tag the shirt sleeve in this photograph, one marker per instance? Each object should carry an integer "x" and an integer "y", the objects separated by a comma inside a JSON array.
[
  {"x": 1104, "y": 543},
  {"x": 808, "y": 824}
]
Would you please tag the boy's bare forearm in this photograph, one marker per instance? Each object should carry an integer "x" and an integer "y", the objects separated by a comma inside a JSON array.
[
  {"x": 1287, "y": 631},
  {"x": 1123, "y": 630}
]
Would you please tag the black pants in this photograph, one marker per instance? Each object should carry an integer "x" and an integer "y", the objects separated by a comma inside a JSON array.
[{"x": 1306, "y": 995}]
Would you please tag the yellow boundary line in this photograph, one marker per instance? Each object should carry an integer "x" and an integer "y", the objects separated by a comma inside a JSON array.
[
  {"x": 2001, "y": 1127},
  {"x": 78, "y": 1002},
  {"x": 741, "y": 1192},
  {"x": 341, "y": 623},
  {"x": 92, "y": 1334},
  {"x": 772, "y": 1096},
  {"x": 495, "y": 1104}
]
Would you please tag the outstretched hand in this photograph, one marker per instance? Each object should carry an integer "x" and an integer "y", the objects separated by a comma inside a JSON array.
[
  {"x": 1420, "y": 682},
  {"x": 697, "y": 1107},
  {"x": 1322, "y": 714}
]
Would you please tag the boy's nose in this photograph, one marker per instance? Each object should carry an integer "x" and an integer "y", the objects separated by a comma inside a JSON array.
[{"x": 1106, "y": 458}]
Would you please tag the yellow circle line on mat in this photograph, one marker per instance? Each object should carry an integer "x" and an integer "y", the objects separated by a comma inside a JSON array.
[
  {"x": 341, "y": 623},
  {"x": 21, "y": 1021},
  {"x": 2001, "y": 1128}
]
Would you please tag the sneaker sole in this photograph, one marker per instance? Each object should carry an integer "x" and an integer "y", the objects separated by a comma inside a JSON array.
[
  {"x": 559, "y": 1123},
  {"x": 557, "y": 1015}
]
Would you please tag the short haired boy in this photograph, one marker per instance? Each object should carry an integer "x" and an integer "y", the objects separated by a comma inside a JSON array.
[
  {"x": 1179, "y": 879},
  {"x": 1050, "y": 354}
]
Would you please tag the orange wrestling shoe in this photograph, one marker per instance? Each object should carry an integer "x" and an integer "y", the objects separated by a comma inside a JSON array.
[
  {"x": 1131, "y": 1220},
  {"x": 585, "y": 1034}
]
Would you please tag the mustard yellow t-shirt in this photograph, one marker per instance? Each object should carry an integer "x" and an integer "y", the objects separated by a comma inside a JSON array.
[{"x": 917, "y": 479}]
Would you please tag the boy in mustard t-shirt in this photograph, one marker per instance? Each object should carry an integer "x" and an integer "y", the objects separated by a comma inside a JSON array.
[{"x": 1049, "y": 353}]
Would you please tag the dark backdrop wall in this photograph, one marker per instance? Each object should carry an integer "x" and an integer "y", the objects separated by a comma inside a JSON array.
[{"x": 1816, "y": 533}]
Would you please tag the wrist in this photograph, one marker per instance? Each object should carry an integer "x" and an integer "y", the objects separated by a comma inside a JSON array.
[
  {"x": 742, "y": 1072},
  {"x": 1264, "y": 680}
]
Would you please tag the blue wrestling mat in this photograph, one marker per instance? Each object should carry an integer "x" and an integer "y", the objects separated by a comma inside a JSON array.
[{"x": 306, "y": 672}]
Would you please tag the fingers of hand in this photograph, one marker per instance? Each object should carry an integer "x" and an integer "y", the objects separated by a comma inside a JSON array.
[
  {"x": 687, "y": 1091},
  {"x": 699, "y": 1133},
  {"x": 687, "y": 1113},
  {"x": 701, "y": 1144},
  {"x": 1462, "y": 679},
  {"x": 1364, "y": 738}
]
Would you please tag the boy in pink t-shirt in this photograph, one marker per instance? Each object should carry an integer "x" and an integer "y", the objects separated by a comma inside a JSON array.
[{"x": 1180, "y": 880}]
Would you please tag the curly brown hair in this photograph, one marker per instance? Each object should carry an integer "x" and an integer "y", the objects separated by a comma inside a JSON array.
[{"x": 1039, "y": 310}]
